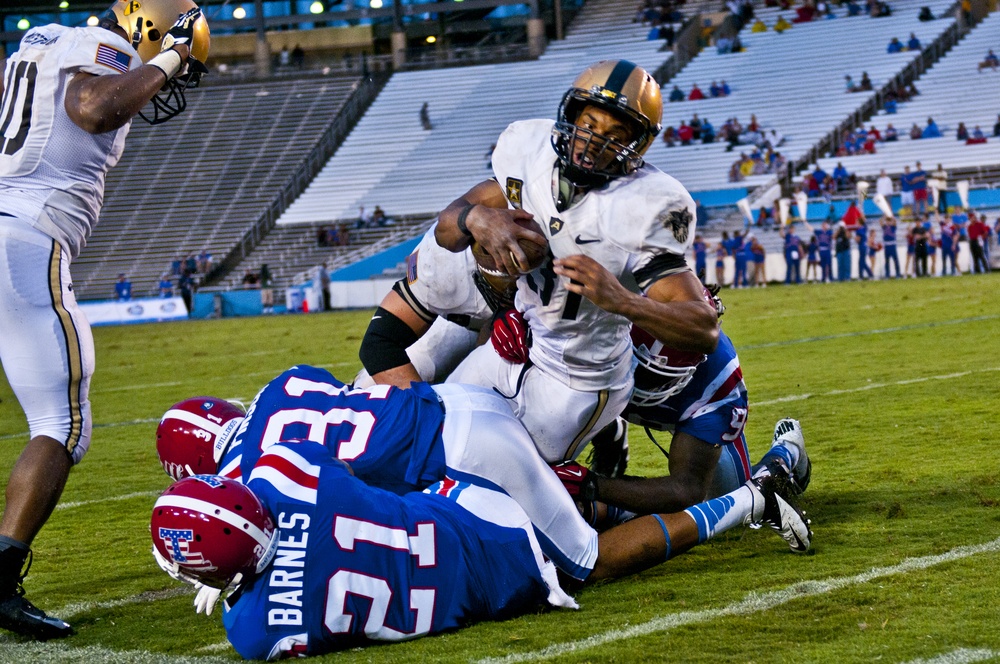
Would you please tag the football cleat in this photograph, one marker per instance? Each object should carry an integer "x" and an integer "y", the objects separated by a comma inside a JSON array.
[
  {"x": 22, "y": 617},
  {"x": 783, "y": 517},
  {"x": 609, "y": 450},
  {"x": 788, "y": 432}
]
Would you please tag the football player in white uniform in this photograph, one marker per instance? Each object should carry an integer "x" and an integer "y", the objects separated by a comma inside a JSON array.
[
  {"x": 610, "y": 221},
  {"x": 68, "y": 98}
]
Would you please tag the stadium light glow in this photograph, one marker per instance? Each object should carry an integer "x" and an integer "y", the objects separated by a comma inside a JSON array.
[
  {"x": 64, "y": 4},
  {"x": 375, "y": 4},
  {"x": 316, "y": 7},
  {"x": 23, "y": 24},
  {"x": 239, "y": 12},
  {"x": 431, "y": 39},
  {"x": 93, "y": 20}
]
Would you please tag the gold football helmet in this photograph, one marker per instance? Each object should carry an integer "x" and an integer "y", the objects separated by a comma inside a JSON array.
[
  {"x": 628, "y": 92},
  {"x": 146, "y": 22}
]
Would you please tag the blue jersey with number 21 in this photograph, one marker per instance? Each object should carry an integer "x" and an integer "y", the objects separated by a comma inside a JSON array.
[{"x": 356, "y": 564}]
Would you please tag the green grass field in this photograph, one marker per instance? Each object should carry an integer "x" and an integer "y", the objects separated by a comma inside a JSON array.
[{"x": 895, "y": 386}]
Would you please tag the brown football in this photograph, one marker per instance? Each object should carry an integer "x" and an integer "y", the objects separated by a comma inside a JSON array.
[{"x": 535, "y": 253}]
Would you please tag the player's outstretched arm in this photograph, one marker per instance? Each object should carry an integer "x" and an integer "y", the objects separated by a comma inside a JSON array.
[{"x": 482, "y": 215}]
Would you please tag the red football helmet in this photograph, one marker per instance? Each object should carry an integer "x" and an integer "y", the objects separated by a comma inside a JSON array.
[
  {"x": 193, "y": 434},
  {"x": 662, "y": 372},
  {"x": 210, "y": 528}
]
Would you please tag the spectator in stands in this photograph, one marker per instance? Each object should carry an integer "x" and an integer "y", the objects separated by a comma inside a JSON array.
[
  {"x": 853, "y": 216},
  {"x": 793, "y": 254},
  {"x": 890, "y": 106},
  {"x": 918, "y": 180},
  {"x": 699, "y": 249},
  {"x": 895, "y": 46},
  {"x": 266, "y": 290},
  {"x": 725, "y": 88},
  {"x": 298, "y": 57},
  {"x": 322, "y": 237},
  {"x": 962, "y": 133},
  {"x": 819, "y": 176},
  {"x": 913, "y": 44},
  {"x": 883, "y": 185},
  {"x": 670, "y": 137},
  {"x": 175, "y": 265},
  {"x": 250, "y": 279},
  {"x": 425, "y": 117},
  {"x": 667, "y": 34},
  {"x": 684, "y": 133},
  {"x": 949, "y": 246},
  {"x": 654, "y": 31},
  {"x": 976, "y": 136},
  {"x": 696, "y": 94},
  {"x": 758, "y": 26},
  {"x": 920, "y": 240},
  {"x": 714, "y": 90},
  {"x": 343, "y": 235},
  {"x": 284, "y": 57},
  {"x": 941, "y": 175},
  {"x": 842, "y": 246},
  {"x": 696, "y": 127},
  {"x": 991, "y": 61},
  {"x": 996, "y": 127},
  {"x": 889, "y": 243},
  {"x": 676, "y": 94},
  {"x": 363, "y": 219},
  {"x": 877, "y": 9},
  {"x": 925, "y": 14},
  {"x": 874, "y": 133},
  {"x": 906, "y": 189},
  {"x": 700, "y": 214},
  {"x": 205, "y": 261},
  {"x": 378, "y": 217},
  {"x": 853, "y": 8},
  {"x": 804, "y": 13},
  {"x": 890, "y": 133},
  {"x": 781, "y": 25},
  {"x": 723, "y": 45},
  {"x": 828, "y": 189},
  {"x": 916, "y": 132},
  {"x": 849, "y": 83},
  {"x": 185, "y": 284},
  {"x": 166, "y": 286},
  {"x": 123, "y": 288},
  {"x": 841, "y": 177},
  {"x": 707, "y": 131},
  {"x": 866, "y": 83},
  {"x": 191, "y": 264}
]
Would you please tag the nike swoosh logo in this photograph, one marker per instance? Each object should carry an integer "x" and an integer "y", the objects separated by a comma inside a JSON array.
[
  {"x": 574, "y": 473},
  {"x": 580, "y": 240}
]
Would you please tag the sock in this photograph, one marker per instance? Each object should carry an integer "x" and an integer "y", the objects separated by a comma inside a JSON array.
[
  {"x": 12, "y": 556},
  {"x": 720, "y": 514}
]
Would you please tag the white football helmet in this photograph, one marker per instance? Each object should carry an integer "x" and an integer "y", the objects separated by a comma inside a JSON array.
[
  {"x": 662, "y": 372},
  {"x": 146, "y": 22}
]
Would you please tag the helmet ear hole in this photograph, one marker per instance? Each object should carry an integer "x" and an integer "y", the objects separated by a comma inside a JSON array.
[{"x": 154, "y": 34}]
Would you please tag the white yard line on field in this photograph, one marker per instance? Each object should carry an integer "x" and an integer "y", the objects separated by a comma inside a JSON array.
[
  {"x": 63, "y": 652},
  {"x": 127, "y": 496},
  {"x": 960, "y": 656},
  {"x": 874, "y": 386},
  {"x": 752, "y": 603}
]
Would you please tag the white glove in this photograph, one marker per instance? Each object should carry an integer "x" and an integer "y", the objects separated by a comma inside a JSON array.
[{"x": 206, "y": 598}]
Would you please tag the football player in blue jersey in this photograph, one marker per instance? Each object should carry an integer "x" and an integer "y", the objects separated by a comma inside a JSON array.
[
  {"x": 702, "y": 401},
  {"x": 319, "y": 561}
]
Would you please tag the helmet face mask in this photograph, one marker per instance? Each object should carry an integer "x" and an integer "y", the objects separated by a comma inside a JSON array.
[
  {"x": 661, "y": 372},
  {"x": 627, "y": 94},
  {"x": 145, "y": 22}
]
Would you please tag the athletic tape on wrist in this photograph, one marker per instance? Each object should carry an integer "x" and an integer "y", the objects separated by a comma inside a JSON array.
[
  {"x": 460, "y": 222},
  {"x": 169, "y": 62}
]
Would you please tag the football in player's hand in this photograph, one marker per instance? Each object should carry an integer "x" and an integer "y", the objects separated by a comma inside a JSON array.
[{"x": 535, "y": 253}]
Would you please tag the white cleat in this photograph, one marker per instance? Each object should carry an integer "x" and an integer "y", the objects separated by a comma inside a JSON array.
[
  {"x": 788, "y": 432},
  {"x": 782, "y": 516}
]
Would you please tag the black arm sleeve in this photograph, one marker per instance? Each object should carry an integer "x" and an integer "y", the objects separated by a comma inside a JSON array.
[
  {"x": 385, "y": 342},
  {"x": 661, "y": 266}
]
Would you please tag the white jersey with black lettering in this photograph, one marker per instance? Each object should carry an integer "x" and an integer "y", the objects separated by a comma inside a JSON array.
[
  {"x": 52, "y": 171},
  {"x": 637, "y": 226}
]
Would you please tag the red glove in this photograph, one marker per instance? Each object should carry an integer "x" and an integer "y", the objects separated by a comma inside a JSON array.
[
  {"x": 511, "y": 338},
  {"x": 579, "y": 482}
]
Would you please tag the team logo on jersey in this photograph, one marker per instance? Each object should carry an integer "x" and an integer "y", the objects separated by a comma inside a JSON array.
[
  {"x": 555, "y": 225},
  {"x": 132, "y": 7},
  {"x": 514, "y": 191},
  {"x": 677, "y": 222}
]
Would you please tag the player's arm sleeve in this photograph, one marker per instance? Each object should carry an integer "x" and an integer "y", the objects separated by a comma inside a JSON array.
[
  {"x": 388, "y": 336},
  {"x": 659, "y": 266}
]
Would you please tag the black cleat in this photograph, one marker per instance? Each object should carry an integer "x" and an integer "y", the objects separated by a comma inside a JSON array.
[
  {"x": 609, "y": 450},
  {"x": 782, "y": 516},
  {"x": 22, "y": 617}
]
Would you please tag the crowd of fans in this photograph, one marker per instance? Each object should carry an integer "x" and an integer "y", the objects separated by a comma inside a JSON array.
[{"x": 827, "y": 254}]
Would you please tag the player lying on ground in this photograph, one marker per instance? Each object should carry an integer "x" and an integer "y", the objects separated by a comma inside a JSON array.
[{"x": 319, "y": 561}]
